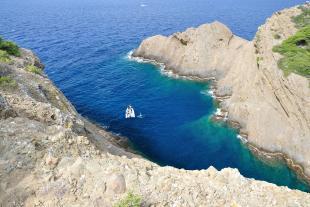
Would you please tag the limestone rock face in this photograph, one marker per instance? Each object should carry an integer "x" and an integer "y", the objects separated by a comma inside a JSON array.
[
  {"x": 51, "y": 156},
  {"x": 273, "y": 110},
  {"x": 189, "y": 52},
  {"x": 38, "y": 128}
]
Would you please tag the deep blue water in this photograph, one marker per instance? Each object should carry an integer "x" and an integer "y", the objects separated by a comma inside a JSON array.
[{"x": 84, "y": 45}]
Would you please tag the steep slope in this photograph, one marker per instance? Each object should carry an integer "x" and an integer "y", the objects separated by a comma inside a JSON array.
[
  {"x": 51, "y": 156},
  {"x": 273, "y": 110}
]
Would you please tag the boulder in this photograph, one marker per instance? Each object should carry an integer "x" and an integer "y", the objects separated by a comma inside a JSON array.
[{"x": 116, "y": 184}]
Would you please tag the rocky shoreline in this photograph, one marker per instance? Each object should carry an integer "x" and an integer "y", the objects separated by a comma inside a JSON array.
[
  {"x": 262, "y": 153},
  {"x": 51, "y": 156},
  {"x": 204, "y": 56},
  {"x": 221, "y": 115}
]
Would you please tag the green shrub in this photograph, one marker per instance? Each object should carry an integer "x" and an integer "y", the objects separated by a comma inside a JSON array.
[
  {"x": 276, "y": 36},
  {"x": 303, "y": 19},
  {"x": 10, "y": 47},
  {"x": 7, "y": 82},
  {"x": 296, "y": 53},
  {"x": 34, "y": 69},
  {"x": 131, "y": 200},
  {"x": 4, "y": 57}
]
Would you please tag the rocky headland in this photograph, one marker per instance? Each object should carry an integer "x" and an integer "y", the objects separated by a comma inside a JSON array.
[
  {"x": 51, "y": 156},
  {"x": 271, "y": 108}
]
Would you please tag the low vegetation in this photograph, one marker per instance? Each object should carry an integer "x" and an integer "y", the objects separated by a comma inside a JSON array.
[
  {"x": 131, "y": 200},
  {"x": 7, "y": 82},
  {"x": 34, "y": 69},
  {"x": 4, "y": 57},
  {"x": 296, "y": 53},
  {"x": 10, "y": 47},
  {"x": 303, "y": 19},
  {"x": 296, "y": 49}
]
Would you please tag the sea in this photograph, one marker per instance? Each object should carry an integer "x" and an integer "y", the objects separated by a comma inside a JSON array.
[{"x": 84, "y": 45}]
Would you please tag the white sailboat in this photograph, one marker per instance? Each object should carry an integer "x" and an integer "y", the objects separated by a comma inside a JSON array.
[{"x": 130, "y": 112}]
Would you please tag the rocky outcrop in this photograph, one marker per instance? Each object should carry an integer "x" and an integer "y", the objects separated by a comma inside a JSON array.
[
  {"x": 209, "y": 50},
  {"x": 44, "y": 164},
  {"x": 51, "y": 156},
  {"x": 38, "y": 127},
  {"x": 272, "y": 110}
]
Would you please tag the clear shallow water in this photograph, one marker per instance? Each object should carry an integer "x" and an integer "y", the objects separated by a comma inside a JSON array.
[{"x": 84, "y": 45}]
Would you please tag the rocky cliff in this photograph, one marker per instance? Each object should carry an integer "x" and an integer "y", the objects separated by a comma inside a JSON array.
[
  {"x": 51, "y": 156},
  {"x": 273, "y": 110}
]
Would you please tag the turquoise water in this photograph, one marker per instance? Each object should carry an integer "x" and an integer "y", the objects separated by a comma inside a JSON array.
[{"x": 84, "y": 46}]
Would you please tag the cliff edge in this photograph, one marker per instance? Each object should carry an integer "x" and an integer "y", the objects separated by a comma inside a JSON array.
[
  {"x": 51, "y": 156},
  {"x": 272, "y": 109}
]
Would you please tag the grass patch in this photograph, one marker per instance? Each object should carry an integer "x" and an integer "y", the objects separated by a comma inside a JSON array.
[
  {"x": 4, "y": 57},
  {"x": 34, "y": 69},
  {"x": 303, "y": 19},
  {"x": 296, "y": 53},
  {"x": 7, "y": 82},
  {"x": 10, "y": 47},
  {"x": 131, "y": 200}
]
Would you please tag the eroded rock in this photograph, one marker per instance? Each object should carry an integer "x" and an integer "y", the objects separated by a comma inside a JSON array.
[
  {"x": 271, "y": 109},
  {"x": 116, "y": 183},
  {"x": 50, "y": 156}
]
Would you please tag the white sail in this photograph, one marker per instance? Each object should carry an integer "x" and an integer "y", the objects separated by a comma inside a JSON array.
[
  {"x": 127, "y": 114},
  {"x": 132, "y": 113}
]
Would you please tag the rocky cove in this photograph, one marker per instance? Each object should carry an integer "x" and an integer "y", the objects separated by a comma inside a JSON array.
[
  {"x": 51, "y": 156},
  {"x": 254, "y": 94}
]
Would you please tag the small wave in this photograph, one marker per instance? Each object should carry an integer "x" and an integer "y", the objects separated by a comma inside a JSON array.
[
  {"x": 243, "y": 140},
  {"x": 211, "y": 93},
  {"x": 136, "y": 59},
  {"x": 143, "y": 5},
  {"x": 169, "y": 73},
  {"x": 143, "y": 60},
  {"x": 161, "y": 66},
  {"x": 208, "y": 93},
  {"x": 218, "y": 112}
]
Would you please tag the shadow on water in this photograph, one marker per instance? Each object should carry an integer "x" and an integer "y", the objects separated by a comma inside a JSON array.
[{"x": 117, "y": 125}]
